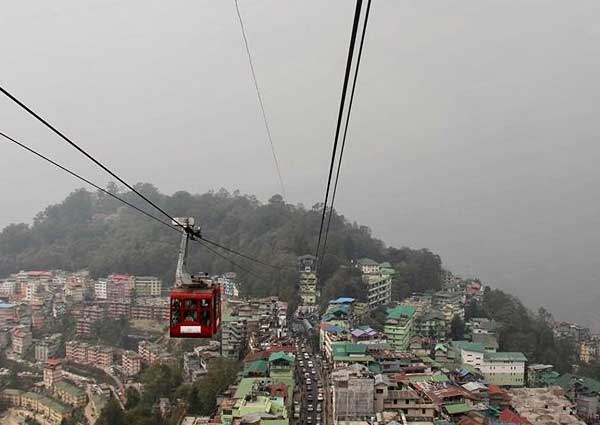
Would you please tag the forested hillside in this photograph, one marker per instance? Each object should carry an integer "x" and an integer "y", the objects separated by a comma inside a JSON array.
[{"x": 97, "y": 232}]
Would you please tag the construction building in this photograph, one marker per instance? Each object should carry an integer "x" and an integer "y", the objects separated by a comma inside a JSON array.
[{"x": 353, "y": 394}]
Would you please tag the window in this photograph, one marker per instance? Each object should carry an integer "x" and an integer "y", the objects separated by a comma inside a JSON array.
[
  {"x": 191, "y": 310},
  {"x": 175, "y": 312},
  {"x": 204, "y": 312}
]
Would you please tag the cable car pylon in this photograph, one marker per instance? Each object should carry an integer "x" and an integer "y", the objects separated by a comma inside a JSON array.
[{"x": 195, "y": 302}]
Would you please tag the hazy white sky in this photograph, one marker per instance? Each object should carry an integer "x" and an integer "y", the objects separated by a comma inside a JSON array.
[{"x": 474, "y": 130}]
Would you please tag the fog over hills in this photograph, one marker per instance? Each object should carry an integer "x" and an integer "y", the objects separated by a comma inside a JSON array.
[{"x": 474, "y": 129}]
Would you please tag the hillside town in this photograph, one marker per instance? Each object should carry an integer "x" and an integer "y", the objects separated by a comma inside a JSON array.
[{"x": 423, "y": 361}]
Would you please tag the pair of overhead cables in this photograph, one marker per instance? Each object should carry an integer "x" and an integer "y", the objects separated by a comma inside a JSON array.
[
  {"x": 324, "y": 230},
  {"x": 115, "y": 196}
]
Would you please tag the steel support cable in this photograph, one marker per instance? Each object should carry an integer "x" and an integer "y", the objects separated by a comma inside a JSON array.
[
  {"x": 56, "y": 131},
  {"x": 340, "y": 115},
  {"x": 339, "y": 166},
  {"x": 250, "y": 272},
  {"x": 260, "y": 101},
  {"x": 83, "y": 179},
  {"x": 82, "y": 151},
  {"x": 239, "y": 253}
]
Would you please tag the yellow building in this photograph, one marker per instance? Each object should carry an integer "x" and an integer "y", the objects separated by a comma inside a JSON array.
[{"x": 70, "y": 394}]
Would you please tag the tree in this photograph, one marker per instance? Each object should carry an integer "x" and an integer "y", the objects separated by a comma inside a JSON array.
[
  {"x": 457, "y": 328},
  {"x": 133, "y": 398},
  {"x": 111, "y": 414}
]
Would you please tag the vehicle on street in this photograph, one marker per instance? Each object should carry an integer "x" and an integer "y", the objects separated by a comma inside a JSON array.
[
  {"x": 310, "y": 408},
  {"x": 320, "y": 397}
]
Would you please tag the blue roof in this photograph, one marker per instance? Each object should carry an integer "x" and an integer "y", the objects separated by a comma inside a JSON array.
[
  {"x": 6, "y": 305},
  {"x": 342, "y": 300}
]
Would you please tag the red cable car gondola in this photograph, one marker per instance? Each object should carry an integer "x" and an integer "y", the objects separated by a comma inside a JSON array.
[{"x": 195, "y": 305}]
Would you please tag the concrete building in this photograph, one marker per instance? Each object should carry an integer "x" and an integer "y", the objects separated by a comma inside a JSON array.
[
  {"x": 353, "y": 395},
  {"x": 48, "y": 407},
  {"x": 147, "y": 286},
  {"x": 47, "y": 347},
  {"x": 194, "y": 366},
  {"x": 8, "y": 314},
  {"x": 83, "y": 353},
  {"x": 155, "y": 308},
  {"x": 234, "y": 331},
  {"x": 120, "y": 288},
  {"x": 151, "y": 353},
  {"x": 403, "y": 400},
  {"x": 52, "y": 373},
  {"x": 544, "y": 405},
  {"x": 21, "y": 340},
  {"x": 498, "y": 368},
  {"x": 70, "y": 394},
  {"x": 378, "y": 279},
  {"x": 100, "y": 291},
  {"x": 308, "y": 279},
  {"x": 131, "y": 362},
  {"x": 398, "y": 326}
]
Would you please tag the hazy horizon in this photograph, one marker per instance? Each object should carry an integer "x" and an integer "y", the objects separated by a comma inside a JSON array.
[{"x": 472, "y": 135}]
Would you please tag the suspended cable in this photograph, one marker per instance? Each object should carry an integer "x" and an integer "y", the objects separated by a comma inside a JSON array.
[
  {"x": 260, "y": 101},
  {"x": 340, "y": 115},
  {"x": 83, "y": 179},
  {"x": 200, "y": 241},
  {"x": 81, "y": 150},
  {"x": 339, "y": 165},
  {"x": 239, "y": 253},
  {"x": 56, "y": 131}
]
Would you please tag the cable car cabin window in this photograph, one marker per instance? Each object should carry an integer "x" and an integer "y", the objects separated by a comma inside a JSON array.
[
  {"x": 191, "y": 311},
  {"x": 175, "y": 312},
  {"x": 205, "y": 312}
]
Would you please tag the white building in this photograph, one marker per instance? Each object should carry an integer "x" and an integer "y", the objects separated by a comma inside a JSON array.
[
  {"x": 100, "y": 289},
  {"x": 147, "y": 286},
  {"x": 498, "y": 368}
]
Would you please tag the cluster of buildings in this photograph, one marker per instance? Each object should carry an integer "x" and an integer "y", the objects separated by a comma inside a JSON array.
[
  {"x": 55, "y": 400},
  {"x": 251, "y": 324}
]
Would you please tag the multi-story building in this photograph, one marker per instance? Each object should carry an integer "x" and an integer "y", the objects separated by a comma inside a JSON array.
[
  {"x": 48, "y": 407},
  {"x": 151, "y": 353},
  {"x": 8, "y": 314},
  {"x": 52, "y": 372},
  {"x": 353, "y": 394},
  {"x": 398, "y": 398},
  {"x": 432, "y": 325},
  {"x": 150, "y": 309},
  {"x": 308, "y": 279},
  {"x": 131, "y": 362},
  {"x": 194, "y": 366},
  {"x": 83, "y": 353},
  {"x": 70, "y": 394},
  {"x": 234, "y": 332},
  {"x": 588, "y": 351},
  {"x": 21, "y": 340},
  {"x": 378, "y": 279},
  {"x": 8, "y": 287},
  {"x": 100, "y": 291},
  {"x": 498, "y": 368},
  {"x": 398, "y": 326},
  {"x": 120, "y": 288},
  {"x": 47, "y": 347},
  {"x": 147, "y": 286}
]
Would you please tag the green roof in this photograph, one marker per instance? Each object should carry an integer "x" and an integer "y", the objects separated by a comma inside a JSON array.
[
  {"x": 367, "y": 262},
  {"x": 375, "y": 368},
  {"x": 401, "y": 310},
  {"x": 440, "y": 422},
  {"x": 468, "y": 346},
  {"x": 437, "y": 378},
  {"x": 346, "y": 348},
  {"x": 568, "y": 380},
  {"x": 457, "y": 408},
  {"x": 342, "y": 358},
  {"x": 258, "y": 366},
  {"x": 69, "y": 388},
  {"x": 13, "y": 392},
  {"x": 505, "y": 356},
  {"x": 280, "y": 355}
]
